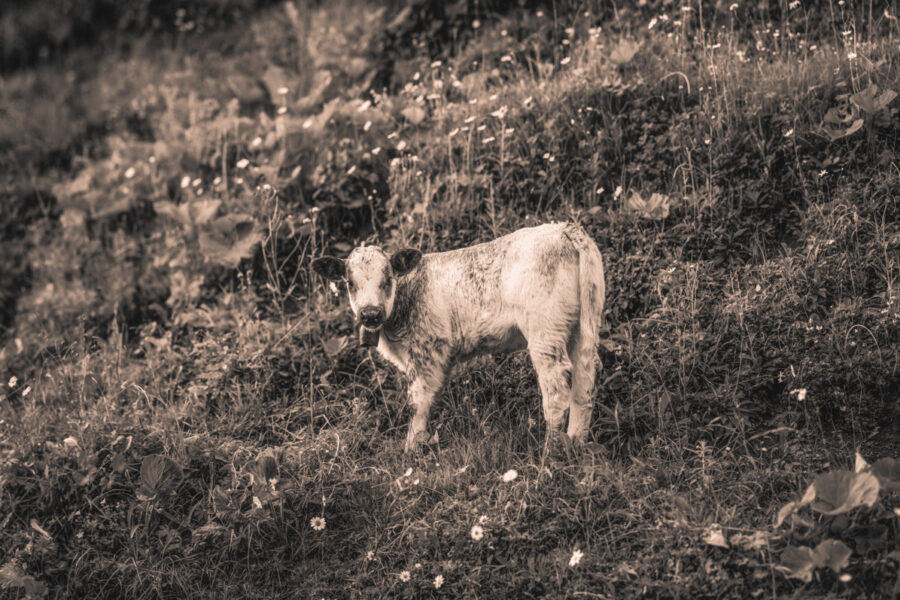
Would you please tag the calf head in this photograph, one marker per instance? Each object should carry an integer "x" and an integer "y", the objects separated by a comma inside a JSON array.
[{"x": 371, "y": 278}]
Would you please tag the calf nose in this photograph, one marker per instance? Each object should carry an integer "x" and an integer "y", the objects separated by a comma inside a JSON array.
[{"x": 371, "y": 315}]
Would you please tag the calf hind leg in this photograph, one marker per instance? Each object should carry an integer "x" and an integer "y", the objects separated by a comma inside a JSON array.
[
  {"x": 554, "y": 371},
  {"x": 584, "y": 372}
]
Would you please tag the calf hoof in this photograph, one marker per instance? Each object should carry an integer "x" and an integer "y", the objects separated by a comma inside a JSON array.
[{"x": 414, "y": 441}]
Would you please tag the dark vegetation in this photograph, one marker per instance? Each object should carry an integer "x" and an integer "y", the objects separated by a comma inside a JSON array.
[{"x": 181, "y": 402}]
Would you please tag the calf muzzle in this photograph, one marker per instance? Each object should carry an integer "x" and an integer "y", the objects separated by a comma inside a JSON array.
[{"x": 370, "y": 321}]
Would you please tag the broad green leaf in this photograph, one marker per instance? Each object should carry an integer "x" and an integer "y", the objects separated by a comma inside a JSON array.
[
  {"x": 715, "y": 537},
  {"x": 333, "y": 346},
  {"x": 159, "y": 474},
  {"x": 837, "y": 133},
  {"x": 841, "y": 491},
  {"x": 808, "y": 496},
  {"x": 413, "y": 113},
  {"x": 871, "y": 101},
  {"x": 195, "y": 212},
  {"x": 887, "y": 470},
  {"x": 266, "y": 467},
  {"x": 786, "y": 511},
  {"x": 75, "y": 187},
  {"x": 202, "y": 211},
  {"x": 798, "y": 562},
  {"x": 229, "y": 239},
  {"x": 624, "y": 52},
  {"x": 833, "y": 554}
]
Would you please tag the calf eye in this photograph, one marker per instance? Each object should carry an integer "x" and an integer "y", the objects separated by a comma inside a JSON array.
[{"x": 386, "y": 284}]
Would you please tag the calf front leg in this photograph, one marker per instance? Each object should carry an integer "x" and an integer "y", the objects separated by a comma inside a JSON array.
[{"x": 423, "y": 387}]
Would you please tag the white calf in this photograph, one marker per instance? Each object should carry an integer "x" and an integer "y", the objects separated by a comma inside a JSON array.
[{"x": 540, "y": 288}]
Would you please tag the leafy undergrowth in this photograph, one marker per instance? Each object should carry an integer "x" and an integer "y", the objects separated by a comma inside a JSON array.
[{"x": 184, "y": 411}]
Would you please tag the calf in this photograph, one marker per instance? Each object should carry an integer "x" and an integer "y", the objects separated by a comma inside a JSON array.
[{"x": 540, "y": 288}]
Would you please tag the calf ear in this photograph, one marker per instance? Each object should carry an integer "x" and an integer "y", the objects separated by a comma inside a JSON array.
[
  {"x": 330, "y": 268},
  {"x": 404, "y": 261}
]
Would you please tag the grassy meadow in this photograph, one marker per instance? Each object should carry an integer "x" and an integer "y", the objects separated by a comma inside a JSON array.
[{"x": 185, "y": 411}]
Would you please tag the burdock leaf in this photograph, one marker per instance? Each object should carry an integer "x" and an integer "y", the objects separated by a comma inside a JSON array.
[
  {"x": 229, "y": 239},
  {"x": 870, "y": 100},
  {"x": 841, "y": 491},
  {"x": 833, "y": 554},
  {"x": 887, "y": 470},
  {"x": 798, "y": 562},
  {"x": 159, "y": 475},
  {"x": 624, "y": 52}
]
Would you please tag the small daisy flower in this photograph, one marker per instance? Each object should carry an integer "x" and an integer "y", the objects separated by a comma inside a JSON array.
[
  {"x": 281, "y": 110},
  {"x": 13, "y": 381},
  {"x": 438, "y": 582},
  {"x": 789, "y": 133},
  {"x": 851, "y": 55},
  {"x": 801, "y": 394},
  {"x": 488, "y": 140},
  {"x": 370, "y": 555},
  {"x": 129, "y": 173},
  {"x": 307, "y": 123},
  {"x": 317, "y": 523},
  {"x": 405, "y": 576},
  {"x": 197, "y": 182},
  {"x": 367, "y": 126},
  {"x": 185, "y": 181},
  {"x": 477, "y": 532},
  {"x": 282, "y": 90},
  {"x": 26, "y": 391},
  {"x": 566, "y": 60},
  {"x": 243, "y": 163},
  {"x": 618, "y": 192},
  {"x": 401, "y": 144},
  {"x": 364, "y": 106},
  {"x": 476, "y": 24},
  {"x": 577, "y": 555},
  {"x": 510, "y": 475}
]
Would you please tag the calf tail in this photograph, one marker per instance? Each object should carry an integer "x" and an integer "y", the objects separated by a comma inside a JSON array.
[{"x": 592, "y": 292}]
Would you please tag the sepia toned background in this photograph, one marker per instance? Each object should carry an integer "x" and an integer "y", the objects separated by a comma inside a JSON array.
[{"x": 185, "y": 410}]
